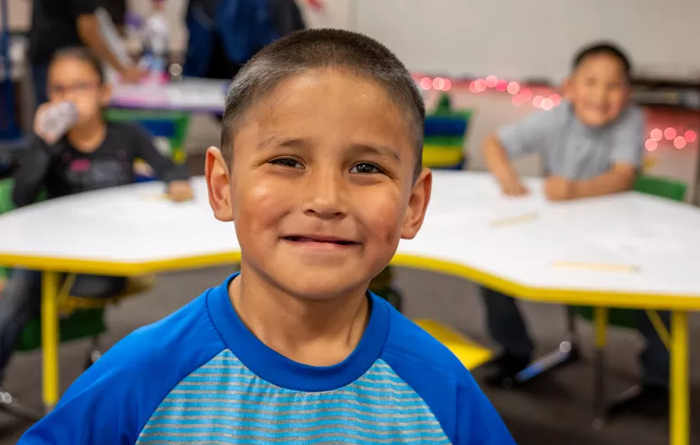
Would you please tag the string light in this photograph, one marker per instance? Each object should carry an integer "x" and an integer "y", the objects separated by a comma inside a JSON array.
[
  {"x": 521, "y": 96},
  {"x": 556, "y": 99},
  {"x": 537, "y": 101},
  {"x": 670, "y": 133},
  {"x": 513, "y": 88},
  {"x": 547, "y": 104},
  {"x": 679, "y": 142}
]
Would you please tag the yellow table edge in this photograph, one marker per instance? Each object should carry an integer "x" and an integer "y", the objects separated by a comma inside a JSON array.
[
  {"x": 680, "y": 409},
  {"x": 551, "y": 295}
]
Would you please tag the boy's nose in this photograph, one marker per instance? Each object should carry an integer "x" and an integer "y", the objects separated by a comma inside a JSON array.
[{"x": 325, "y": 195}]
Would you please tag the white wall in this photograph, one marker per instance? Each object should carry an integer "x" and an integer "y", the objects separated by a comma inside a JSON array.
[{"x": 520, "y": 38}]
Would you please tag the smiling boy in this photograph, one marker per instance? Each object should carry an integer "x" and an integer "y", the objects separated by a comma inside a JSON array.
[
  {"x": 320, "y": 169},
  {"x": 591, "y": 145}
]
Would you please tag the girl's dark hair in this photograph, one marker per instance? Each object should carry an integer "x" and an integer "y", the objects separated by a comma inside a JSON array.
[
  {"x": 84, "y": 55},
  {"x": 323, "y": 48}
]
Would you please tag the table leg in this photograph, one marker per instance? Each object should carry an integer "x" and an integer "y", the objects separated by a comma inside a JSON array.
[
  {"x": 50, "y": 337},
  {"x": 601, "y": 330},
  {"x": 680, "y": 389}
]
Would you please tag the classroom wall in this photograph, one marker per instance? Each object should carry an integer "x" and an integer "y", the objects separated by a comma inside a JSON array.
[{"x": 518, "y": 39}]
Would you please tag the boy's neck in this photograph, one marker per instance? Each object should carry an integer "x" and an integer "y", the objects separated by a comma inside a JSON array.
[
  {"x": 88, "y": 136},
  {"x": 315, "y": 333}
]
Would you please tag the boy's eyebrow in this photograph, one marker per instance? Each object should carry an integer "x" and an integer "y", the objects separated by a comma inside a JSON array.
[
  {"x": 375, "y": 149},
  {"x": 353, "y": 148}
]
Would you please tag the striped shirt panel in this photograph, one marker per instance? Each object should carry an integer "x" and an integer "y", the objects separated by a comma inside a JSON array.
[{"x": 223, "y": 402}]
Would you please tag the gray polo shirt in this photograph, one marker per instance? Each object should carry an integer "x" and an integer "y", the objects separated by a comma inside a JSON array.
[{"x": 572, "y": 150}]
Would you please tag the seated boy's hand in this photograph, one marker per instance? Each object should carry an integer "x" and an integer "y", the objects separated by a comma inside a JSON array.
[
  {"x": 179, "y": 191},
  {"x": 514, "y": 188},
  {"x": 557, "y": 188}
]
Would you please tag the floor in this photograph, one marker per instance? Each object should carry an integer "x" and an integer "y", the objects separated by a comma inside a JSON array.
[{"x": 552, "y": 410}]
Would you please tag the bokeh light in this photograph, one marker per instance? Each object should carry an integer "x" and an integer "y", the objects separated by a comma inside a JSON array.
[
  {"x": 651, "y": 145},
  {"x": 670, "y": 133},
  {"x": 513, "y": 88},
  {"x": 657, "y": 134},
  {"x": 537, "y": 101},
  {"x": 679, "y": 142}
]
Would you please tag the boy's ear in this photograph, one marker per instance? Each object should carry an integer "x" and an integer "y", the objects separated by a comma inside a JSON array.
[
  {"x": 105, "y": 95},
  {"x": 417, "y": 204},
  {"x": 217, "y": 175}
]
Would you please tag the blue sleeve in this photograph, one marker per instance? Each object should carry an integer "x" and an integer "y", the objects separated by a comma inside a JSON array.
[
  {"x": 113, "y": 400},
  {"x": 464, "y": 412}
]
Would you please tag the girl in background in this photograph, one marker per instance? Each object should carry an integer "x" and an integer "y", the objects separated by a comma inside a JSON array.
[{"x": 75, "y": 150}]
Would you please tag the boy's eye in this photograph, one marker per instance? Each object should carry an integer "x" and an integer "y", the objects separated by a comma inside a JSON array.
[
  {"x": 287, "y": 162},
  {"x": 365, "y": 168}
]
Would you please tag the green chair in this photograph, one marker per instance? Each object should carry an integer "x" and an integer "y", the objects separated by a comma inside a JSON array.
[
  {"x": 82, "y": 317},
  {"x": 625, "y": 318}
]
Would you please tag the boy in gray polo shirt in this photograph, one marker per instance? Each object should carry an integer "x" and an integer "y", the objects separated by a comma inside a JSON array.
[{"x": 591, "y": 145}]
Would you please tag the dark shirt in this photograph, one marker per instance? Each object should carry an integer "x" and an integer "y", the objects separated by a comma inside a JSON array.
[
  {"x": 117, "y": 10},
  {"x": 55, "y": 26},
  {"x": 62, "y": 170}
]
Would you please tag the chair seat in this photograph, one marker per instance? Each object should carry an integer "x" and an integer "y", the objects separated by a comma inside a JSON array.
[
  {"x": 471, "y": 354},
  {"x": 83, "y": 323},
  {"x": 134, "y": 286},
  {"x": 82, "y": 317}
]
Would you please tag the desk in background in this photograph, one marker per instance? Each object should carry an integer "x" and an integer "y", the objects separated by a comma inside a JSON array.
[{"x": 627, "y": 250}]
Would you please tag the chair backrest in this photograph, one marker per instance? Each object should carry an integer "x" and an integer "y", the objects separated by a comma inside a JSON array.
[
  {"x": 6, "y": 204},
  {"x": 661, "y": 187}
]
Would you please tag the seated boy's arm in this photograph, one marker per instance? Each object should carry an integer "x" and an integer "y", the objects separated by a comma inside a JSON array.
[
  {"x": 619, "y": 178},
  {"x": 529, "y": 135},
  {"x": 499, "y": 164},
  {"x": 30, "y": 173}
]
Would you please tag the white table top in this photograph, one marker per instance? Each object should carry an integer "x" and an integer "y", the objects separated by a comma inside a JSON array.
[
  {"x": 628, "y": 246},
  {"x": 205, "y": 95}
]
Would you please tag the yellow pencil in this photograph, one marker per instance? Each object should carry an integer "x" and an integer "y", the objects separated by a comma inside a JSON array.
[
  {"x": 514, "y": 220},
  {"x": 597, "y": 266}
]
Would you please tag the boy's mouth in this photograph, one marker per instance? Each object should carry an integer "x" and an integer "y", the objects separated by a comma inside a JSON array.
[{"x": 319, "y": 240}]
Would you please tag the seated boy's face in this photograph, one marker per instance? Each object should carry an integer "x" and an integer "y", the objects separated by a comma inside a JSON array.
[
  {"x": 322, "y": 184},
  {"x": 598, "y": 90}
]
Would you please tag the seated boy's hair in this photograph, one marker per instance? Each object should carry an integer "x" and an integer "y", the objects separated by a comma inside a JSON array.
[
  {"x": 84, "y": 55},
  {"x": 322, "y": 48},
  {"x": 608, "y": 48}
]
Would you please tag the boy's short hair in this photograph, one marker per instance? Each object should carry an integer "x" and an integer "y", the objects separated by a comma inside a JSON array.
[
  {"x": 608, "y": 48},
  {"x": 84, "y": 55},
  {"x": 322, "y": 48}
]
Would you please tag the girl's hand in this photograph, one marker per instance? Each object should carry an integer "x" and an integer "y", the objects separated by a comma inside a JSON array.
[{"x": 179, "y": 191}]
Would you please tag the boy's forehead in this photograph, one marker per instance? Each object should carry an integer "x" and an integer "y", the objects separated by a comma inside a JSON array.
[{"x": 597, "y": 62}]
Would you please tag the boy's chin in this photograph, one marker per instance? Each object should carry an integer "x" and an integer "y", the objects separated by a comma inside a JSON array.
[{"x": 328, "y": 288}]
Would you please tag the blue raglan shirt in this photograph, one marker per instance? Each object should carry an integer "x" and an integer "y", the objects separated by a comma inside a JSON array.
[{"x": 200, "y": 376}]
